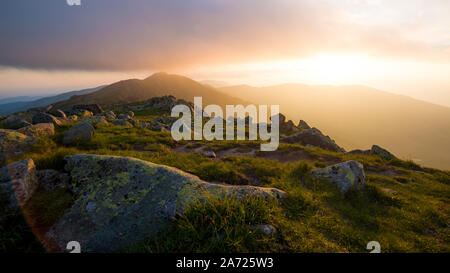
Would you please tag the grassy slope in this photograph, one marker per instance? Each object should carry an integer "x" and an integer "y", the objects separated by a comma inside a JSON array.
[{"x": 405, "y": 207}]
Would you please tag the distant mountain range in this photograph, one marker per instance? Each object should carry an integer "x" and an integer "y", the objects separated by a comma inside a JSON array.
[
  {"x": 358, "y": 116},
  {"x": 16, "y": 105},
  {"x": 355, "y": 116}
]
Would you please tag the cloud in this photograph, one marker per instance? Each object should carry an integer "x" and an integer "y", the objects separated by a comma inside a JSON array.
[{"x": 154, "y": 35}]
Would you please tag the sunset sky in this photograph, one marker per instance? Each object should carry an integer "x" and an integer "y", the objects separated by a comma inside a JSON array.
[{"x": 400, "y": 46}]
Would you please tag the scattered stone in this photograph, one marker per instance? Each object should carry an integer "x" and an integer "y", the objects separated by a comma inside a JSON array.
[
  {"x": 130, "y": 113},
  {"x": 96, "y": 121},
  {"x": 120, "y": 200},
  {"x": 110, "y": 116},
  {"x": 38, "y": 130},
  {"x": 73, "y": 118},
  {"x": 315, "y": 138},
  {"x": 93, "y": 108},
  {"x": 78, "y": 133},
  {"x": 209, "y": 154},
  {"x": 59, "y": 113},
  {"x": 18, "y": 181},
  {"x": 81, "y": 113},
  {"x": 14, "y": 122},
  {"x": 347, "y": 175},
  {"x": 45, "y": 118},
  {"x": 267, "y": 230},
  {"x": 13, "y": 143},
  {"x": 383, "y": 153}
]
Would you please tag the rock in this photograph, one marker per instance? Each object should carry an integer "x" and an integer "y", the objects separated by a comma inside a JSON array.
[
  {"x": 164, "y": 103},
  {"x": 93, "y": 108},
  {"x": 121, "y": 200},
  {"x": 130, "y": 113},
  {"x": 38, "y": 130},
  {"x": 267, "y": 230},
  {"x": 303, "y": 125},
  {"x": 286, "y": 127},
  {"x": 209, "y": 154},
  {"x": 82, "y": 113},
  {"x": 122, "y": 123},
  {"x": 18, "y": 181},
  {"x": 314, "y": 138},
  {"x": 96, "y": 121},
  {"x": 110, "y": 116},
  {"x": 52, "y": 180},
  {"x": 13, "y": 143},
  {"x": 45, "y": 118},
  {"x": 360, "y": 152},
  {"x": 78, "y": 133},
  {"x": 347, "y": 175},
  {"x": 14, "y": 122},
  {"x": 383, "y": 153},
  {"x": 73, "y": 118},
  {"x": 58, "y": 113}
]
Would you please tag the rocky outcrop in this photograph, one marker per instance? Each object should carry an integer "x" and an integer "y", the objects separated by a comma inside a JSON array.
[
  {"x": 122, "y": 200},
  {"x": 96, "y": 121},
  {"x": 164, "y": 103},
  {"x": 81, "y": 113},
  {"x": 286, "y": 127},
  {"x": 383, "y": 153},
  {"x": 122, "y": 123},
  {"x": 18, "y": 181},
  {"x": 315, "y": 138},
  {"x": 58, "y": 113},
  {"x": 13, "y": 143},
  {"x": 93, "y": 108},
  {"x": 347, "y": 176},
  {"x": 302, "y": 125},
  {"x": 78, "y": 133},
  {"x": 38, "y": 130}
]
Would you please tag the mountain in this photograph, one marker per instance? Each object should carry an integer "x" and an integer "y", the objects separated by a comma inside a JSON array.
[
  {"x": 6, "y": 100},
  {"x": 159, "y": 84},
  {"x": 358, "y": 116},
  {"x": 215, "y": 84},
  {"x": 17, "y": 106}
]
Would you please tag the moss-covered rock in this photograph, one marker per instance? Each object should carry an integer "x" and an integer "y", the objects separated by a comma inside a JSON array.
[
  {"x": 383, "y": 153},
  {"x": 18, "y": 181},
  {"x": 78, "y": 133},
  {"x": 13, "y": 143},
  {"x": 38, "y": 130},
  {"x": 347, "y": 175},
  {"x": 122, "y": 200}
]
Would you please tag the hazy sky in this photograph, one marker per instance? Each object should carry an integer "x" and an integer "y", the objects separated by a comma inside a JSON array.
[{"x": 402, "y": 46}]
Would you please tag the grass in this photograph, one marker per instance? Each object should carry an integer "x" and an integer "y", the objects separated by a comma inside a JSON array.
[{"x": 406, "y": 212}]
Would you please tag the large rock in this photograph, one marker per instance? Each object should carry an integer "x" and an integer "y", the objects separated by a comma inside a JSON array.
[
  {"x": 122, "y": 200},
  {"x": 347, "y": 175},
  {"x": 18, "y": 181},
  {"x": 164, "y": 103},
  {"x": 38, "y": 130},
  {"x": 313, "y": 137},
  {"x": 122, "y": 123},
  {"x": 78, "y": 133},
  {"x": 45, "y": 118},
  {"x": 14, "y": 122},
  {"x": 110, "y": 115},
  {"x": 303, "y": 125},
  {"x": 52, "y": 180},
  {"x": 96, "y": 121},
  {"x": 94, "y": 108},
  {"x": 383, "y": 153},
  {"x": 13, "y": 143}
]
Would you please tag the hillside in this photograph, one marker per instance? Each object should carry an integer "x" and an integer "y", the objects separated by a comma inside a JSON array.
[
  {"x": 158, "y": 84},
  {"x": 12, "y": 107},
  {"x": 358, "y": 116}
]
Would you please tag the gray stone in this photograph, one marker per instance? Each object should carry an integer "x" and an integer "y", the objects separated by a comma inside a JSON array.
[
  {"x": 110, "y": 116},
  {"x": 52, "y": 180},
  {"x": 38, "y": 130},
  {"x": 315, "y": 138},
  {"x": 120, "y": 201},
  {"x": 383, "y": 153},
  {"x": 78, "y": 133},
  {"x": 13, "y": 143},
  {"x": 14, "y": 122},
  {"x": 122, "y": 123},
  {"x": 93, "y": 108},
  {"x": 209, "y": 154},
  {"x": 267, "y": 230},
  {"x": 347, "y": 176},
  {"x": 45, "y": 118},
  {"x": 18, "y": 181},
  {"x": 303, "y": 125},
  {"x": 96, "y": 121}
]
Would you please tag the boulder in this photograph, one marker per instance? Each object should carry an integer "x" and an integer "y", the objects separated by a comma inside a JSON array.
[
  {"x": 96, "y": 121},
  {"x": 267, "y": 230},
  {"x": 120, "y": 201},
  {"x": 45, "y": 118},
  {"x": 93, "y": 108},
  {"x": 58, "y": 113},
  {"x": 383, "y": 153},
  {"x": 38, "y": 130},
  {"x": 52, "y": 180},
  {"x": 347, "y": 176},
  {"x": 209, "y": 154},
  {"x": 14, "y": 122},
  {"x": 73, "y": 118},
  {"x": 78, "y": 133},
  {"x": 81, "y": 113},
  {"x": 315, "y": 138},
  {"x": 359, "y": 152},
  {"x": 130, "y": 113},
  {"x": 164, "y": 103},
  {"x": 18, "y": 181},
  {"x": 122, "y": 123},
  {"x": 110, "y": 116},
  {"x": 303, "y": 125},
  {"x": 13, "y": 143}
]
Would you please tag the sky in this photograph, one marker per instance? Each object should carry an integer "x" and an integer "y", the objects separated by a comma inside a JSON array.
[{"x": 400, "y": 46}]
